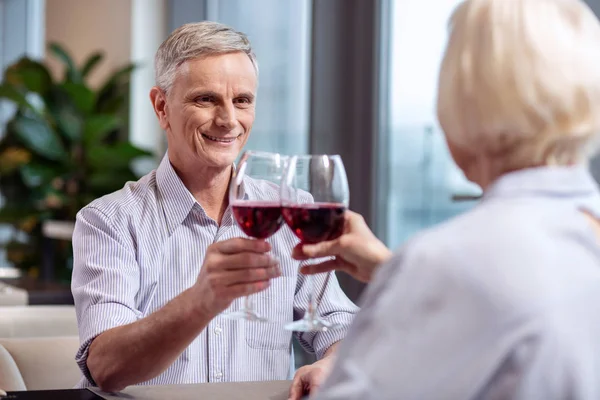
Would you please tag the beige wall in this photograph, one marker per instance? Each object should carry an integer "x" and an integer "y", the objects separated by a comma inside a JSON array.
[{"x": 84, "y": 26}]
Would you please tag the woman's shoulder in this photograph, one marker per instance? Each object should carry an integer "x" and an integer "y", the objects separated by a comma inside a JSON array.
[
  {"x": 484, "y": 251},
  {"x": 486, "y": 231}
]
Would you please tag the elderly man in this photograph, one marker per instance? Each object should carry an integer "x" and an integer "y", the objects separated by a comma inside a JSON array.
[{"x": 157, "y": 262}]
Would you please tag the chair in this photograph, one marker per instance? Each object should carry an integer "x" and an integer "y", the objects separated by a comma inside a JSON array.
[
  {"x": 12, "y": 296},
  {"x": 43, "y": 363},
  {"x": 37, "y": 321}
]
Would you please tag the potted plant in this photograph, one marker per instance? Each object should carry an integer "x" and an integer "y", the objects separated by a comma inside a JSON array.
[{"x": 65, "y": 145}]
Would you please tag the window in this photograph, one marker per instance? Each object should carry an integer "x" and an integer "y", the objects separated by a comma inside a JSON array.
[
  {"x": 424, "y": 186},
  {"x": 280, "y": 35}
]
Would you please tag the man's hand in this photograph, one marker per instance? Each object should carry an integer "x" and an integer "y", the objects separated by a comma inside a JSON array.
[
  {"x": 234, "y": 268},
  {"x": 308, "y": 378}
]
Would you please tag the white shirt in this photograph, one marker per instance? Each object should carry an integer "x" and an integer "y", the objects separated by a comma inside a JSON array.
[
  {"x": 138, "y": 248},
  {"x": 502, "y": 302}
]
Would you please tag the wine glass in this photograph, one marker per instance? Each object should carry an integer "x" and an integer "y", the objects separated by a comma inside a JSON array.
[
  {"x": 257, "y": 218},
  {"x": 314, "y": 198}
]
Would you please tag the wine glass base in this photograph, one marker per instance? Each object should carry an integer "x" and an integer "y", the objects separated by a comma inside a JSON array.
[
  {"x": 311, "y": 325},
  {"x": 248, "y": 315}
]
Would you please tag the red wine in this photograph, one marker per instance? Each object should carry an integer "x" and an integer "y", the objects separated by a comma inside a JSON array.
[
  {"x": 258, "y": 220},
  {"x": 315, "y": 222}
]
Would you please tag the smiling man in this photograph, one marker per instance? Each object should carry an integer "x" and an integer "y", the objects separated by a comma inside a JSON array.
[{"x": 158, "y": 262}]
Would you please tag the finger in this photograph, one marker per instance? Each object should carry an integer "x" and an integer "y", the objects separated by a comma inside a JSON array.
[
  {"x": 238, "y": 245},
  {"x": 323, "y": 249},
  {"x": 244, "y": 261},
  {"x": 247, "y": 289},
  {"x": 351, "y": 215},
  {"x": 296, "y": 389},
  {"x": 314, "y": 388},
  {"x": 298, "y": 254},
  {"x": 326, "y": 266},
  {"x": 235, "y": 277}
]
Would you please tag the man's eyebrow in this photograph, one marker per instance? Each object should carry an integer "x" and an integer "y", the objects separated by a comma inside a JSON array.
[
  {"x": 197, "y": 93},
  {"x": 200, "y": 93}
]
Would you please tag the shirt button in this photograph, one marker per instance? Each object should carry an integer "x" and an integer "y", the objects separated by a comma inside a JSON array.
[
  {"x": 218, "y": 330},
  {"x": 219, "y": 375}
]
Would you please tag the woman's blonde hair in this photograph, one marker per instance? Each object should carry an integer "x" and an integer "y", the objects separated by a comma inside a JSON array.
[{"x": 520, "y": 80}]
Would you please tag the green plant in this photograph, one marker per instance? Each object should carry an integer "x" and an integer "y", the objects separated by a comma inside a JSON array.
[{"x": 65, "y": 145}]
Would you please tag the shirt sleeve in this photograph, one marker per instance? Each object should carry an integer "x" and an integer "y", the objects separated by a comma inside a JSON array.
[
  {"x": 425, "y": 331},
  {"x": 332, "y": 305},
  {"x": 105, "y": 280}
]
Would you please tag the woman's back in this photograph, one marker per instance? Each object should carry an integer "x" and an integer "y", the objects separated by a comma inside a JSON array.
[
  {"x": 501, "y": 302},
  {"x": 540, "y": 267}
]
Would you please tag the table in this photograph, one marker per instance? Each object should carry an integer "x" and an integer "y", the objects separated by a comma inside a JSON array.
[{"x": 274, "y": 390}]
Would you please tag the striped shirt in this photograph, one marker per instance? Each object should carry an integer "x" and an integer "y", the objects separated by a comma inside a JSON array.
[{"x": 138, "y": 248}]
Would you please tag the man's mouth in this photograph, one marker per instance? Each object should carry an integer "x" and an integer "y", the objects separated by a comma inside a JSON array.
[{"x": 219, "y": 139}]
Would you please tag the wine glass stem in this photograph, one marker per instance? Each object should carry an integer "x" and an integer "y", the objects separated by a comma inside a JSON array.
[
  {"x": 312, "y": 306},
  {"x": 248, "y": 304}
]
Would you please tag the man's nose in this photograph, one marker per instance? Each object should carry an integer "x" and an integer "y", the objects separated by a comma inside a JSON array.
[{"x": 225, "y": 117}]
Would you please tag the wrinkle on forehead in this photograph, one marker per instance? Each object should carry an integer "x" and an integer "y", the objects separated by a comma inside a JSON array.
[{"x": 230, "y": 73}]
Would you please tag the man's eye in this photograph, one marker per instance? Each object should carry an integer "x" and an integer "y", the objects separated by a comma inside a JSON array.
[
  {"x": 204, "y": 99},
  {"x": 243, "y": 100}
]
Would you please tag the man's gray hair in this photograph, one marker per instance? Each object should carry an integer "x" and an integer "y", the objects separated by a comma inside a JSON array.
[{"x": 195, "y": 40}]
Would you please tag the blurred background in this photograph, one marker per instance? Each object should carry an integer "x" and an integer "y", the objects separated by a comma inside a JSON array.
[
  {"x": 350, "y": 77},
  {"x": 353, "y": 77}
]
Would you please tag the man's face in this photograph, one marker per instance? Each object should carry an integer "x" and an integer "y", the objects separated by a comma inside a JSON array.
[{"x": 209, "y": 111}]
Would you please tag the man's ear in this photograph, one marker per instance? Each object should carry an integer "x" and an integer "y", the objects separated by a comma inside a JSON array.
[{"x": 159, "y": 102}]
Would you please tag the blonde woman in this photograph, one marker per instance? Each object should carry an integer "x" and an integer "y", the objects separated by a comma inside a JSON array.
[{"x": 502, "y": 302}]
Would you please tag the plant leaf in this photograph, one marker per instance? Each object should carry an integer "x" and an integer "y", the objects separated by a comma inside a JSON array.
[
  {"x": 83, "y": 97},
  {"x": 68, "y": 119},
  {"x": 115, "y": 86},
  {"x": 69, "y": 123},
  {"x": 13, "y": 158},
  {"x": 116, "y": 157},
  {"x": 120, "y": 76},
  {"x": 30, "y": 74},
  {"x": 91, "y": 63},
  {"x": 72, "y": 74},
  {"x": 97, "y": 127},
  {"x": 38, "y": 136},
  {"x": 111, "y": 102},
  {"x": 107, "y": 182},
  {"x": 14, "y": 214},
  {"x": 36, "y": 174},
  {"x": 11, "y": 93}
]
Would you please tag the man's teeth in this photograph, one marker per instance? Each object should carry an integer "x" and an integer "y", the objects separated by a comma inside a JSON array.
[{"x": 216, "y": 139}]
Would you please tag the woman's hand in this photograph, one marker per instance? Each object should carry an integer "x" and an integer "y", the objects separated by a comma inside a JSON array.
[{"x": 357, "y": 252}]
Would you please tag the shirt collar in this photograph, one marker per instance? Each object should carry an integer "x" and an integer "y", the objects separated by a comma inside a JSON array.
[
  {"x": 553, "y": 181},
  {"x": 176, "y": 199}
]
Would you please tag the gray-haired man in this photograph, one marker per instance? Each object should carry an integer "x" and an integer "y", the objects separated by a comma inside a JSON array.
[{"x": 157, "y": 262}]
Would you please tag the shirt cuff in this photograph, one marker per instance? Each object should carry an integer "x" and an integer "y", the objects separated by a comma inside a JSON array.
[
  {"x": 320, "y": 342},
  {"x": 98, "y": 319}
]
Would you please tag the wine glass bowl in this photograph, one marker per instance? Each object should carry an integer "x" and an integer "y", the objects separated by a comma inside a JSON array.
[
  {"x": 315, "y": 222},
  {"x": 259, "y": 220}
]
